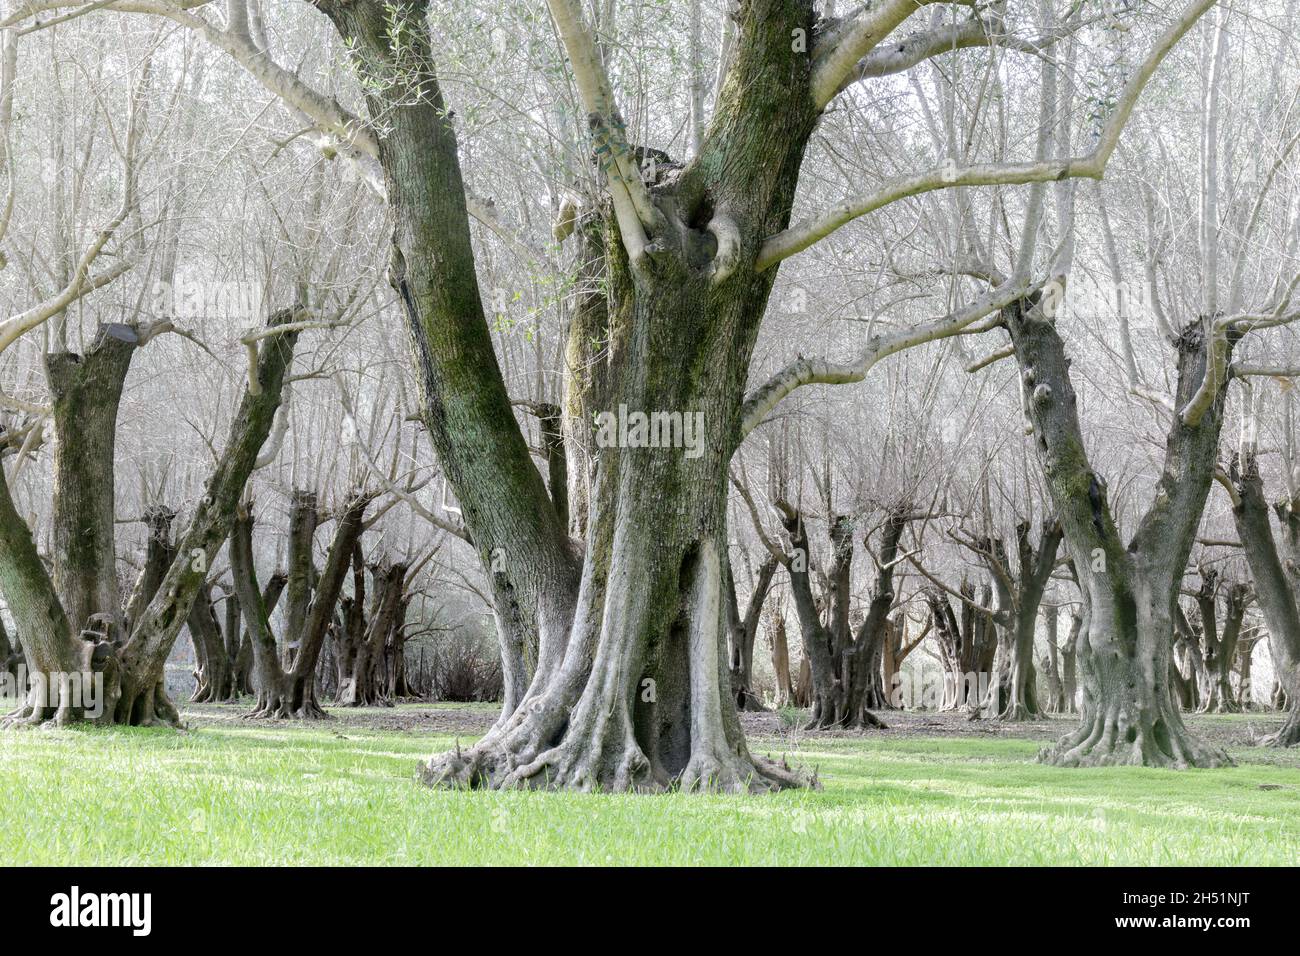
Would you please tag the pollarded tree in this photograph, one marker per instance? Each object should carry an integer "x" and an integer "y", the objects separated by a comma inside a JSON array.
[
  {"x": 967, "y": 642},
  {"x": 1019, "y": 586},
  {"x": 290, "y": 690},
  {"x": 131, "y": 663},
  {"x": 1219, "y": 639},
  {"x": 1131, "y": 582},
  {"x": 845, "y": 666},
  {"x": 628, "y": 685}
]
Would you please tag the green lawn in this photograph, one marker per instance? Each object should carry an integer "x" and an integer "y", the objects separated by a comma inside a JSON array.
[{"x": 266, "y": 794}]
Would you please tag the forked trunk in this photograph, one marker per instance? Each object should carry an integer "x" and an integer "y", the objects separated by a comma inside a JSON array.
[
  {"x": 91, "y": 669},
  {"x": 629, "y": 684},
  {"x": 1130, "y": 715}
]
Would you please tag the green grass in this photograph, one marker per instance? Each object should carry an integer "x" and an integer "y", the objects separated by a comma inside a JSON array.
[{"x": 265, "y": 794}]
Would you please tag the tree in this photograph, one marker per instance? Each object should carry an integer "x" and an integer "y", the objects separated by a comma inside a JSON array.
[
  {"x": 1275, "y": 580},
  {"x": 291, "y": 691},
  {"x": 131, "y": 664}
]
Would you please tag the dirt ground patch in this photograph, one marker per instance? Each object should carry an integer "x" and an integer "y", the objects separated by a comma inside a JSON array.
[{"x": 472, "y": 720}]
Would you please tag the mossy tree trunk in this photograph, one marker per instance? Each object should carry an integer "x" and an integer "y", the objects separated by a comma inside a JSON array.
[
  {"x": 86, "y": 393},
  {"x": 1276, "y": 574},
  {"x": 1130, "y": 715},
  {"x": 629, "y": 686}
]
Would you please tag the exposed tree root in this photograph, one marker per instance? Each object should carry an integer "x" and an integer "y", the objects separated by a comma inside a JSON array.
[
  {"x": 1017, "y": 712},
  {"x": 280, "y": 708},
  {"x": 1288, "y": 735},
  {"x": 522, "y": 752},
  {"x": 1114, "y": 738}
]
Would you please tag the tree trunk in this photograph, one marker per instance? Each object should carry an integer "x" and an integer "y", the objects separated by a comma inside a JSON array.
[
  {"x": 291, "y": 692},
  {"x": 130, "y": 673},
  {"x": 967, "y": 646},
  {"x": 629, "y": 685},
  {"x": 395, "y": 655},
  {"x": 744, "y": 631},
  {"x": 1069, "y": 665},
  {"x": 304, "y": 515},
  {"x": 841, "y": 668},
  {"x": 1277, "y": 583},
  {"x": 1019, "y": 589},
  {"x": 1055, "y": 689},
  {"x": 214, "y": 676},
  {"x": 780, "y": 655},
  {"x": 1130, "y": 715},
  {"x": 362, "y": 687},
  {"x": 87, "y": 392}
]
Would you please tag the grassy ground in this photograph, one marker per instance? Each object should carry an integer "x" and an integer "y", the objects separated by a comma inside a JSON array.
[{"x": 230, "y": 792}]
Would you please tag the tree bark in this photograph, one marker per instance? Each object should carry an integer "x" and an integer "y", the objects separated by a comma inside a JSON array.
[
  {"x": 304, "y": 515},
  {"x": 131, "y": 670},
  {"x": 87, "y": 393},
  {"x": 1019, "y": 589},
  {"x": 291, "y": 692},
  {"x": 629, "y": 685},
  {"x": 1130, "y": 716},
  {"x": 214, "y": 672},
  {"x": 1277, "y": 582},
  {"x": 361, "y": 687},
  {"x": 967, "y": 645}
]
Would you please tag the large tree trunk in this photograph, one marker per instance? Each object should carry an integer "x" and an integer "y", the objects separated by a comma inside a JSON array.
[
  {"x": 1277, "y": 583},
  {"x": 629, "y": 684},
  {"x": 1131, "y": 592},
  {"x": 87, "y": 392}
]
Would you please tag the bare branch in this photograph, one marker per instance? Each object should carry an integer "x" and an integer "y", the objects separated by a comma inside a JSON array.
[
  {"x": 803, "y": 234},
  {"x": 807, "y": 371}
]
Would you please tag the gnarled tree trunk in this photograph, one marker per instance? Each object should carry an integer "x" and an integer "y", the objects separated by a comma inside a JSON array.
[
  {"x": 1130, "y": 716},
  {"x": 1277, "y": 582},
  {"x": 629, "y": 685}
]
